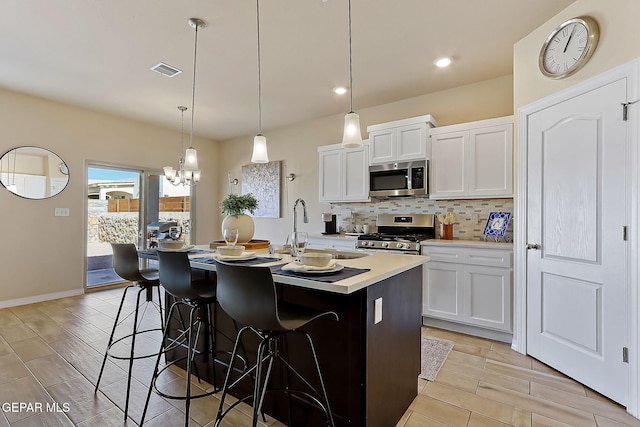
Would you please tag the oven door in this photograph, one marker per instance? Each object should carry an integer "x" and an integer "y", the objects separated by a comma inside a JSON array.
[{"x": 389, "y": 251}]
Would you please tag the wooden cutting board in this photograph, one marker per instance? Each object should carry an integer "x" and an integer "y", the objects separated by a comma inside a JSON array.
[{"x": 252, "y": 244}]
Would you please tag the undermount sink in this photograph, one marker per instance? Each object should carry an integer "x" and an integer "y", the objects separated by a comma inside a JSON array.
[{"x": 339, "y": 253}]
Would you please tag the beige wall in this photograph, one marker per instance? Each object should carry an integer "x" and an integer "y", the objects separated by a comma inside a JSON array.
[
  {"x": 619, "y": 31},
  {"x": 42, "y": 254},
  {"x": 297, "y": 145}
]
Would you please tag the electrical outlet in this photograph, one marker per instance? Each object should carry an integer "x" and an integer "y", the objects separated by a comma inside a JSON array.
[
  {"x": 61, "y": 212},
  {"x": 377, "y": 310}
]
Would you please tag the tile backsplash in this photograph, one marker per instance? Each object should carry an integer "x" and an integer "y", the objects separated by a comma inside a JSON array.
[{"x": 471, "y": 214}]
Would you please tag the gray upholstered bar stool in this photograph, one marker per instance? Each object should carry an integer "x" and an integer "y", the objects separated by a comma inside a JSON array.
[
  {"x": 126, "y": 265},
  {"x": 248, "y": 295},
  {"x": 198, "y": 295}
]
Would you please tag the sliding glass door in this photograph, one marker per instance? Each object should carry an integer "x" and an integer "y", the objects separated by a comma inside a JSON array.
[{"x": 126, "y": 205}]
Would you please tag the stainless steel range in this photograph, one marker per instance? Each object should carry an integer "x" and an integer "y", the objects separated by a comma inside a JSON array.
[{"x": 399, "y": 233}]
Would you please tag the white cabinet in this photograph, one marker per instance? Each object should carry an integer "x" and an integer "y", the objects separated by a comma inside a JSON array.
[
  {"x": 469, "y": 285},
  {"x": 29, "y": 186},
  {"x": 332, "y": 242},
  {"x": 472, "y": 160},
  {"x": 343, "y": 174},
  {"x": 399, "y": 141}
]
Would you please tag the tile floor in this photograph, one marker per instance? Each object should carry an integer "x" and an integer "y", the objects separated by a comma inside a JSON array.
[{"x": 50, "y": 356}]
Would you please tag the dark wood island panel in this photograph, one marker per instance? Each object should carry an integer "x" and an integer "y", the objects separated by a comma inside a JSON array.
[{"x": 370, "y": 369}]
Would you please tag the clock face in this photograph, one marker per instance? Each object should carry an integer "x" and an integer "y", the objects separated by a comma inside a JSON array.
[
  {"x": 62, "y": 167},
  {"x": 568, "y": 47}
]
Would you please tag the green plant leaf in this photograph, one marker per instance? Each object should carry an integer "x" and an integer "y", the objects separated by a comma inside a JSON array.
[{"x": 235, "y": 205}]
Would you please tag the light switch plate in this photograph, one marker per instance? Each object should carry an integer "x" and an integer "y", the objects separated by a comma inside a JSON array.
[
  {"x": 377, "y": 310},
  {"x": 61, "y": 212}
]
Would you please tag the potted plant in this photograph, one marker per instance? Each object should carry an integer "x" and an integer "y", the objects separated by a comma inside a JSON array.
[{"x": 235, "y": 206}]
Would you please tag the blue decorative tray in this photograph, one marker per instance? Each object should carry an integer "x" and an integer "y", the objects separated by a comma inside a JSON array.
[{"x": 497, "y": 224}]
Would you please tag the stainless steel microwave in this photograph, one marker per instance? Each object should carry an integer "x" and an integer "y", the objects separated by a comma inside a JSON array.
[{"x": 398, "y": 179}]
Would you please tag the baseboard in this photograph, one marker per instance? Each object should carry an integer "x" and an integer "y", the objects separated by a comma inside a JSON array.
[
  {"x": 40, "y": 298},
  {"x": 468, "y": 329}
]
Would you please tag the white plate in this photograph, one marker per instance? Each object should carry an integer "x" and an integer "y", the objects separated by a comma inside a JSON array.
[
  {"x": 333, "y": 269},
  {"x": 182, "y": 249},
  {"x": 243, "y": 257}
]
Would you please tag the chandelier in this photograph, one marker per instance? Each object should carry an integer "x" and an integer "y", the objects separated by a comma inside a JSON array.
[{"x": 188, "y": 172}]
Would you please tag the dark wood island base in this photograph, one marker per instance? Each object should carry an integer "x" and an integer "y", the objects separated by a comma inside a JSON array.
[{"x": 370, "y": 369}]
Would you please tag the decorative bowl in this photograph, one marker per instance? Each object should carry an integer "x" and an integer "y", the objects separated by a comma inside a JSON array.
[
  {"x": 316, "y": 259},
  {"x": 230, "y": 250},
  {"x": 170, "y": 244}
]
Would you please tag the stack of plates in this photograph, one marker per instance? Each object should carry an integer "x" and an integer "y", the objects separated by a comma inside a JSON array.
[
  {"x": 298, "y": 267},
  {"x": 242, "y": 257},
  {"x": 185, "y": 248}
]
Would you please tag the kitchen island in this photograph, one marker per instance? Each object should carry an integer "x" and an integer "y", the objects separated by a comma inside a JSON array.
[{"x": 370, "y": 366}]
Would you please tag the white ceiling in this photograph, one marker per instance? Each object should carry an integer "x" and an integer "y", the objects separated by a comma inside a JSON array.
[{"x": 97, "y": 54}]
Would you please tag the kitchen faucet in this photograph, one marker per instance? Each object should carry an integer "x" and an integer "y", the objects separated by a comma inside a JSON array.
[{"x": 305, "y": 218}]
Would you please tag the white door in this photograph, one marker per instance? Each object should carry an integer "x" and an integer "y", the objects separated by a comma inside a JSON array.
[
  {"x": 448, "y": 164},
  {"x": 491, "y": 161},
  {"x": 355, "y": 170},
  {"x": 330, "y": 176},
  {"x": 412, "y": 142},
  {"x": 382, "y": 146},
  {"x": 576, "y": 319}
]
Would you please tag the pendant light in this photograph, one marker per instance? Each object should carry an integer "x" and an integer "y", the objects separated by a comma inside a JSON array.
[
  {"x": 259, "y": 141},
  {"x": 352, "y": 137},
  {"x": 188, "y": 172},
  {"x": 12, "y": 187},
  {"x": 6, "y": 181}
]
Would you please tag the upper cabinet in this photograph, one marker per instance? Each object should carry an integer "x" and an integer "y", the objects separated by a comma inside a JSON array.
[
  {"x": 343, "y": 173},
  {"x": 472, "y": 160},
  {"x": 400, "y": 141}
]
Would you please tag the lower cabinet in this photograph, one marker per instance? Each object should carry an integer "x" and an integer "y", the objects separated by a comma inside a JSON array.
[{"x": 470, "y": 286}]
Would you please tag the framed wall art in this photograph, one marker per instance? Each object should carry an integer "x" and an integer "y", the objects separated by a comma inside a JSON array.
[
  {"x": 496, "y": 225},
  {"x": 263, "y": 181}
]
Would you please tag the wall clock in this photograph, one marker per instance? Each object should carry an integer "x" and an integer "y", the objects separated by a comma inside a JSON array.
[
  {"x": 62, "y": 167},
  {"x": 569, "y": 47}
]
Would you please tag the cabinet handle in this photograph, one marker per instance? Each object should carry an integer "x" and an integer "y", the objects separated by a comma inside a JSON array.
[{"x": 533, "y": 246}]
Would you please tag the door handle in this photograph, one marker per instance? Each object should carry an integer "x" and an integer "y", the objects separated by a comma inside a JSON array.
[{"x": 533, "y": 246}]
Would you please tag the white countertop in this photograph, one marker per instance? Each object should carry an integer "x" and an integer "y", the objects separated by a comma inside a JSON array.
[
  {"x": 383, "y": 265},
  {"x": 468, "y": 244}
]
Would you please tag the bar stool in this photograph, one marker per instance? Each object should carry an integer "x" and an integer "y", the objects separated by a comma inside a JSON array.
[
  {"x": 198, "y": 295},
  {"x": 248, "y": 295},
  {"x": 127, "y": 266}
]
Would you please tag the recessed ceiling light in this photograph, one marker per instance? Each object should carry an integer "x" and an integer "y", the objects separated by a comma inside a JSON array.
[
  {"x": 442, "y": 62},
  {"x": 340, "y": 90}
]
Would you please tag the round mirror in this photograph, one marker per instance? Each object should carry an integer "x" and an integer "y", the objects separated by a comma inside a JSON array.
[{"x": 33, "y": 172}]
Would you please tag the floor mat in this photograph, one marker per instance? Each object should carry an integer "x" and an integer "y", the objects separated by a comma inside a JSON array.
[{"x": 434, "y": 354}]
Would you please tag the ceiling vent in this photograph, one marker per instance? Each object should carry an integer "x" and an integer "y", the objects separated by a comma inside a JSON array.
[{"x": 166, "y": 69}]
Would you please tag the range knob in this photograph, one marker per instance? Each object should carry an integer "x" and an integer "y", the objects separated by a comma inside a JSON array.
[
  {"x": 400, "y": 245},
  {"x": 385, "y": 244}
]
